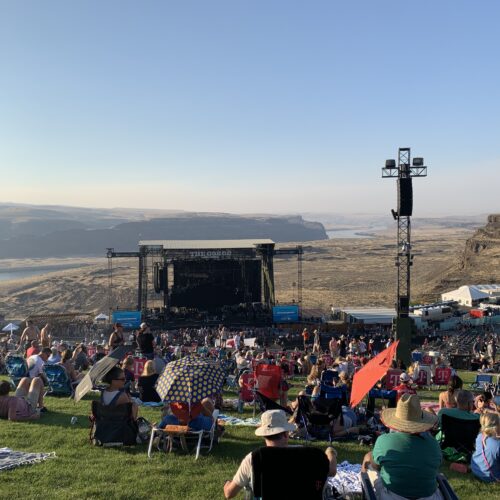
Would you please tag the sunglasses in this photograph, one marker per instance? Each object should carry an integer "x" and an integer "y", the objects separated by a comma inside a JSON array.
[{"x": 123, "y": 378}]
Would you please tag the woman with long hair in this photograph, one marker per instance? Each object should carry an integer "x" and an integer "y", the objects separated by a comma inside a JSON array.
[
  {"x": 485, "y": 462},
  {"x": 447, "y": 398},
  {"x": 146, "y": 383}
]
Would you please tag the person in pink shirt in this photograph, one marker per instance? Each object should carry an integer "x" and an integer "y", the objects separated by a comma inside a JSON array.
[{"x": 23, "y": 405}]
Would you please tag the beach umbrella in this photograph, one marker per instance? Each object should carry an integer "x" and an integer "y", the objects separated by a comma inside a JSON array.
[
  {"x": 373, "y": 371},
  {"x": 101, "y": 317},
  {"x": 100, "y": 369},
  {"x": 10, "y": 328},
  {"x": 189, "y": 380}
]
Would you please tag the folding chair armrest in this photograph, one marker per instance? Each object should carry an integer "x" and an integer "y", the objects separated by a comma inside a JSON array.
[
  {"x": 366, "y": 485},
  {"x": 445, "y": 488}
]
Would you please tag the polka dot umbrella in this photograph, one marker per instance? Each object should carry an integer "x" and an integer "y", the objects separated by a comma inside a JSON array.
[{"x": 189, "y": 380}]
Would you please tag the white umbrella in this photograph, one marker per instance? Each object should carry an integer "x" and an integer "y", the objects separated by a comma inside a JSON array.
[
  {"x": 10, "y": 328},
  {"x": 101, "y": 317}
]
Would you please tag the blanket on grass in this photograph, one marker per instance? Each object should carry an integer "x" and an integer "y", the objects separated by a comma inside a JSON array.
[
  {"x": 249, "y": 422},
  {"x": 10, "y": 459},
  {"x": 347, "y": 479}
]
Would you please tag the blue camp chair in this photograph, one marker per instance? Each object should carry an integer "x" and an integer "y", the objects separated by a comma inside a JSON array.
[
  {"x": 417, "y": 356},
  {"x": 329, "y": 376},
  {"x": 17, "y": 368},
  {"x": 58, "y": 381},
  {"x": 329, "y": 392},
  {"x": 483, "y": 380}
]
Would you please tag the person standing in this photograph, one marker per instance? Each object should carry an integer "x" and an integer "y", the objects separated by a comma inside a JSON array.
[
  {"x": 146, "y": 342},
  {"x": 305, "y": 337},
  {"x": 45, "y": 336},
  {"x": 237, "y": 341},
  {"x": 29, "y": 334},
  {"x": 116, "y": 338}
]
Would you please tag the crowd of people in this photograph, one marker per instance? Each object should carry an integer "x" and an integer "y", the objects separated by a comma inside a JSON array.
[{"x": 403, "y": 463}]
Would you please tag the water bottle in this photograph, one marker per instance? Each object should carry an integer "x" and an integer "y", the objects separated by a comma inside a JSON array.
[{"x": 74, "y": 420}]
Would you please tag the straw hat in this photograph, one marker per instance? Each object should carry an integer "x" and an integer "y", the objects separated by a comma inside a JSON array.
[
  {"x": 273, "y": 422},
  {"x": 408, "y": 416}
]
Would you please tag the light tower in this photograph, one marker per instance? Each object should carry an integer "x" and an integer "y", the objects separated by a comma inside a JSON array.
[{"x": 404, "y": 171}]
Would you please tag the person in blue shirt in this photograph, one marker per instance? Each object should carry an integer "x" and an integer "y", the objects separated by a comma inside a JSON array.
[{"x": 485, "y": 461}]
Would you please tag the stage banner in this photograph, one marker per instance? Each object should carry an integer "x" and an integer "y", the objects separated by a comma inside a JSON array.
[
  {"x": 286, "y": 314},
  {"x": 128, "y": 319}
]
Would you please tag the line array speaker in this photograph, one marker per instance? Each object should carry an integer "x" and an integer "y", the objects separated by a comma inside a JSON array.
[{"x": 405, "y": 197}]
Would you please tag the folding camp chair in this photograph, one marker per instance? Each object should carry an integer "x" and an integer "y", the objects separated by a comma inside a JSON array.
[
  {"x": 424, "y": 377},
  {"x": 459, "y": 434},
  {"x": 392, "y": 378},
  {"x": 17, "y": 368},
  {"x": 318, "y": 418},
  {"x": 443, "y": 485},
  {"x": 307, "y": 467},
  {"x": 482, "y": 382},
  {"x": 442, "y": 376},
  {"x": 329, "y": 376},
  {"x": 266, "y": 404},
  {"x": 113, "y": 425},
  {"x": 180, "y": 435},
  {"x": 267, "y": 380},
  {"x": 59, "y": 384}
]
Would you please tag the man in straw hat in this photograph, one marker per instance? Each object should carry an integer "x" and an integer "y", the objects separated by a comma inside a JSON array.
[
  {"x": 274, "y": 428},
  {"x": 405, "y": 463}
]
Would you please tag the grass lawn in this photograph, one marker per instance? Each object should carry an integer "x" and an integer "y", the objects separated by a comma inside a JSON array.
[{"x": 82, "y": 471}]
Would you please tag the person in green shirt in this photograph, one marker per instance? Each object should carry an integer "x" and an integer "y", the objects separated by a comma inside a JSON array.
[
  {"x": 464, "y": 409},
  {"x": 404, "y": 463}
]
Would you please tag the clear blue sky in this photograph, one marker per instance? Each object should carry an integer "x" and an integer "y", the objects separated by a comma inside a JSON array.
[{"x": 278, "y": 106}]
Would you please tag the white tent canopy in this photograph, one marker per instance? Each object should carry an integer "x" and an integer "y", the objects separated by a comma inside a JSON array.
[
  {"x": 101, "y": 317},
  {"x": 11, "y": 327},
  {"x": 469, "y": 295}
]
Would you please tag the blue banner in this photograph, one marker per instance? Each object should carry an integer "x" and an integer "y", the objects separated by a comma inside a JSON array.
[
  {"x": 128, "y": 319},
  {"x": 286, "y": 314}
]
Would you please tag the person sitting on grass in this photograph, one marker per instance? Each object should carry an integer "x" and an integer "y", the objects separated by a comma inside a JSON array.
[
  {"x": 55, "y": 357},
  {"x": 197, "y": 416},
  {"x": 485, "y": 461},
  {"x": 128, "y": 370},
  {"x": 99, "y": 354},
  {"x": 146, "y": 384},
  {"x": 67, "y": 363},
  {"x": 115, "y": 393},
  {"x": 275, "y": 429},
  {"x": 447, "y": 398},
  {"x": 484, "y": 403},
  {"x": 23, "y": 405},
  {"x": 405, "y": 463},
  {"x": 33, "y": 349},
  {"x": 80, "y": 358}
]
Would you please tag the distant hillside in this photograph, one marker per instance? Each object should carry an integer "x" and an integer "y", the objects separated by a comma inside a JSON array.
[
  {"x": 478, "y": 263},
  {"x": 34, "y": 232}
]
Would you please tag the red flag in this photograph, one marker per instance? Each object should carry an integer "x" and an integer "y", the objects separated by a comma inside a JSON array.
[{"x": 373, "y": 371}]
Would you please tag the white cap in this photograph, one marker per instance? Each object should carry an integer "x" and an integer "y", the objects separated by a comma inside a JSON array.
[{"x": 144, "y": 325}]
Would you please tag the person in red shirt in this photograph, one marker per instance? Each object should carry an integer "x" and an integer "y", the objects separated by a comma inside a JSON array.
[
  {"x": 404, "y": 386},
  {"x": 34, "y": 349},
  {"x": 198, "y": 416},
  {"x": 305, "y": 336}
]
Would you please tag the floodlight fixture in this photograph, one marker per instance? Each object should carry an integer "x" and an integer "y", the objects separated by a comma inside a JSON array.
[
  {"x": 390, "y": 164},
  {"x": 418, "y": 162}
]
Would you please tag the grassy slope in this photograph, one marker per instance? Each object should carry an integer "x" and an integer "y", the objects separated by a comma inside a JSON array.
[{"x": 82, "y": 471}]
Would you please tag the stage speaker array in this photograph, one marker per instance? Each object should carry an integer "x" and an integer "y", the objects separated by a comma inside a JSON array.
[
  {"x": 405, "y": 197},
  {"x": 159, "y": 278}
]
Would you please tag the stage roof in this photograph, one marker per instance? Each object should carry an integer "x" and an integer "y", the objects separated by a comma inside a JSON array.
[{"x": 205, "y": 244}]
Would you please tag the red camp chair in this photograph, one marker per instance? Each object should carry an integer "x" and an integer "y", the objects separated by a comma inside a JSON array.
[
  {"x": 426, "y": 360},
  {"x": 392, "y": 379},
  {"x": 268, "y": 380},
  {"x": 423, "y": 379},
  {"x": 247, "y": 388},
  {"x": 442, "y": 376},
  {"x": 138, "y": 367}
]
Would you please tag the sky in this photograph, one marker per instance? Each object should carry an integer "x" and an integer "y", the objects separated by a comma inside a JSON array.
[{"x": 249, "y": 106}]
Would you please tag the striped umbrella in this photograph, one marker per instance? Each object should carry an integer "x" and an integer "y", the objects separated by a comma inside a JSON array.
[{"x": 189, "y": 380}]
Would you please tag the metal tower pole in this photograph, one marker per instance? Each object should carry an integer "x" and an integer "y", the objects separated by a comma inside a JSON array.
[{"x": 404, "y": 172}]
